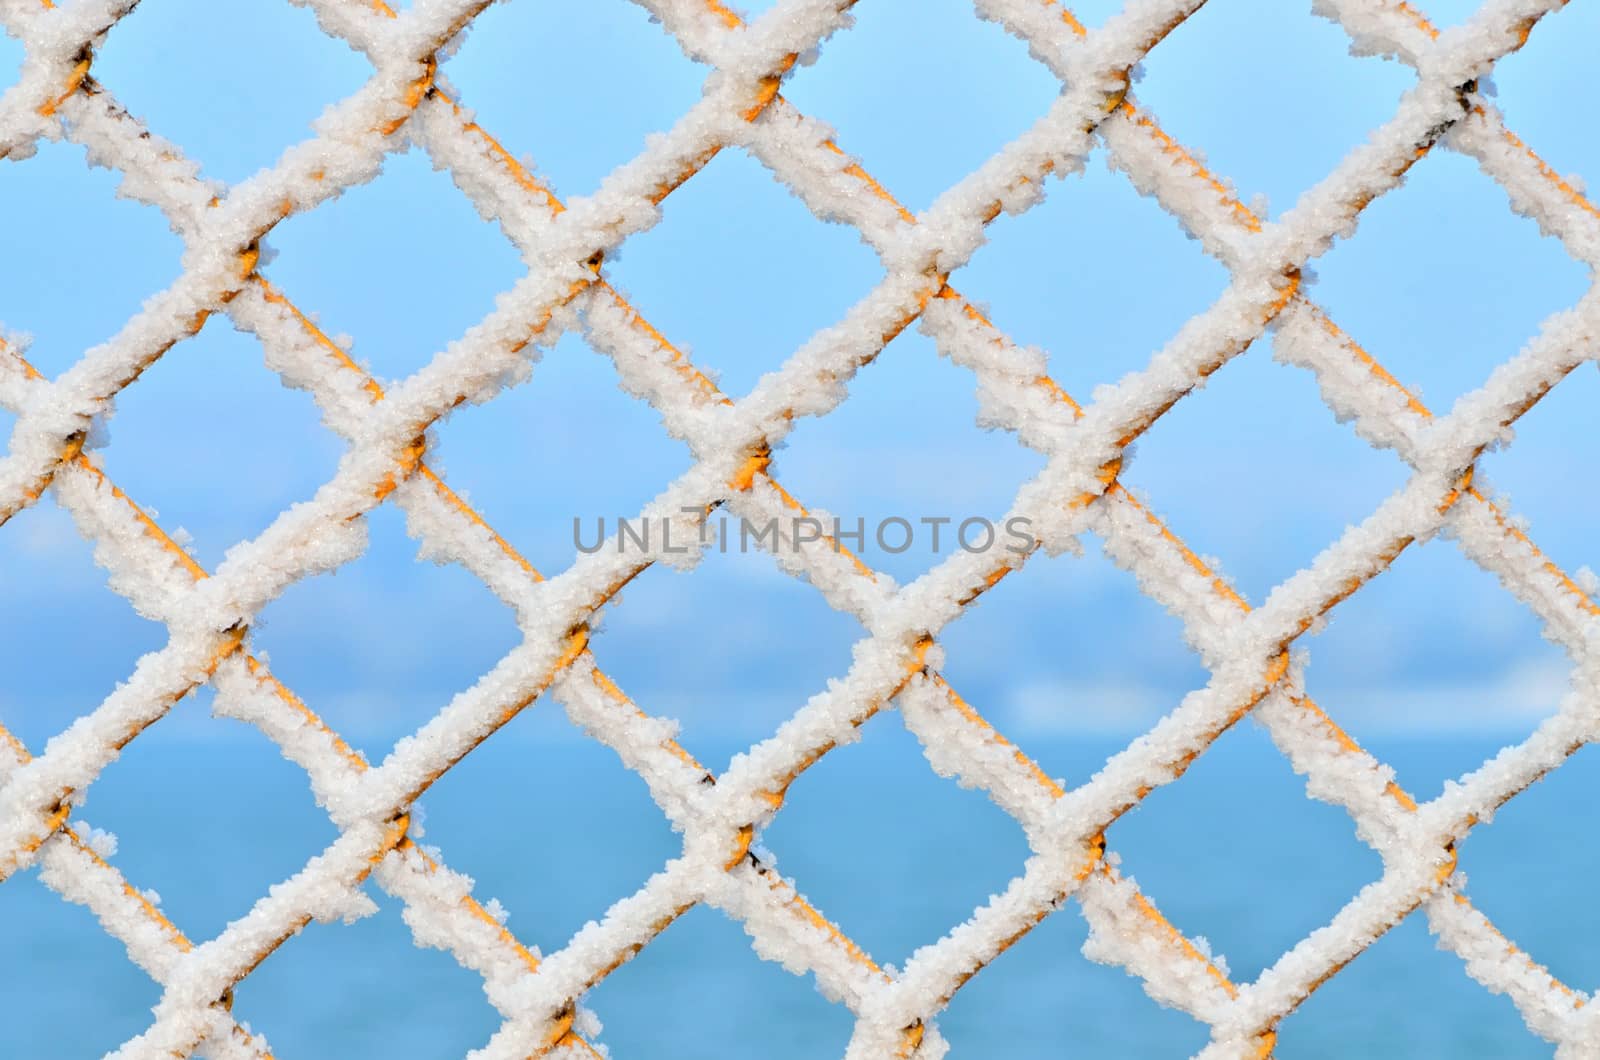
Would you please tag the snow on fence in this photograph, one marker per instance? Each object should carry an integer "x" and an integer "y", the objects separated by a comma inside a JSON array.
[{"x": 1249, "y": 650}]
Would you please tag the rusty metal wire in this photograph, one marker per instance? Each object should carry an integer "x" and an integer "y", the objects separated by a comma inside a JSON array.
[{"x": 1247, "y": 649}]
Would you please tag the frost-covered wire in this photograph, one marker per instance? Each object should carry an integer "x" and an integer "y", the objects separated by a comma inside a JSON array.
[{"x": 899, "y": 660}]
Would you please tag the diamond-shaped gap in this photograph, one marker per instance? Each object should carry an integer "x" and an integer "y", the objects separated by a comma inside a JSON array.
[
  {"x": 904, "y": 462},
  {"x": 1040, "y": 998},
  {"x": 1433, "y": 667},
  {"x": 333, "y": 990},
  {"x": 730, "y": 649},
  {"x": 544, "y": 454},
  {"x": 381, "y": 645},
  {"x": 1235, "y": 852},
  {"x": 212, "y": 444},
  {"x": 1148, "y": 278},
  {"x": 572, "y": 796},
  {"x": 569, "y": 136},
  {"x": 1528, "y": 869},
  {"x": 923, "y": 92},
  {"x": 56, "y": 950},
  {"x": 1404, "y": 996},
  {"x": 79, "y": 261},
  {"x": 1543, "y": 85},
  {"x": 699, "y": 990},
  {"x": 403, "y": 281},
  {"x": 1204, "y": 83},
  {"x": 739, "y": 274},
  {"x": 207, "y": 813},
  {"x": 893, "y": 853},
  {"x": 1443, "y": 282},
  {"x": 1068, "y": 658},
  {"x": 1555, "y": 446},
  {"x": 263, "y": 62},
  {"x": 1254, "y": 469},
  {"x": 66, "y": 640}
]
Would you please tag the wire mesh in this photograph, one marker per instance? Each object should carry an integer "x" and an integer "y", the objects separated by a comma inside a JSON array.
[{"x": 1247, "y": 649}]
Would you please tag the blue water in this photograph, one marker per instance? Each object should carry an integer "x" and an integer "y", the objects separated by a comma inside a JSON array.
[{"x": 555, "y": 828}]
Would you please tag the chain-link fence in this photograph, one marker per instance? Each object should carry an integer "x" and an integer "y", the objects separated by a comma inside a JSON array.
[{"x": 898, "y": 662}]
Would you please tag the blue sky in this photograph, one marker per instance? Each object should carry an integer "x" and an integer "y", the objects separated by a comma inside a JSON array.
[{"x": 1441, "y": 283}]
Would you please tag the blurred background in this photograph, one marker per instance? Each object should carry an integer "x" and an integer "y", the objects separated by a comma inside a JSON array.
[{"x": 1433, "y": 666}]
